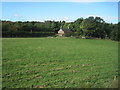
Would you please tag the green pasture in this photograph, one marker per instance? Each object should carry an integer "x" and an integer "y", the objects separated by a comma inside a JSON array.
[{"x": 59, "y": 63}]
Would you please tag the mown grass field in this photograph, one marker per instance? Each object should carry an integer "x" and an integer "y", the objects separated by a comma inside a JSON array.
[{"x": 59, "y": 63}]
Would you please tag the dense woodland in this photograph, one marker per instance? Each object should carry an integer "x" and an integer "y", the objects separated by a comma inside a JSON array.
[{"x": 92, "y": 27}]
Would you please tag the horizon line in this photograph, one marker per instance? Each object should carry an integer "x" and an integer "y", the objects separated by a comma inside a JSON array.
[{"x": 49, "y": 20}]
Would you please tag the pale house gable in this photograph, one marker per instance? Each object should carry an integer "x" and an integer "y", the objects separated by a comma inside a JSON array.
[{"x": 62, "y": 31}]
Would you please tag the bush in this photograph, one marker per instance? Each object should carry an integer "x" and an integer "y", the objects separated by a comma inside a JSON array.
[
  {"x": 27, "y": 34},
  {"x": 68, "y": 34},
  {"x": 114, "y": 35}
]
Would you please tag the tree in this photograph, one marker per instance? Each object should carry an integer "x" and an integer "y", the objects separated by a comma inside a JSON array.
[
  {"x": 99, "y": 28},
  {"x": 88, "y": 26},
  {"x": 93, "y": 27},
  {"x": 115, "y": 34},
  {"x": 55, "y": 26},
  {"x": 48, "y": 25}
]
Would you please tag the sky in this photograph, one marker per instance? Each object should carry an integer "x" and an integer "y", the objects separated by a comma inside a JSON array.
[
  {"x": 59, "y": 0},
  {"x": 59, "y": 11}
]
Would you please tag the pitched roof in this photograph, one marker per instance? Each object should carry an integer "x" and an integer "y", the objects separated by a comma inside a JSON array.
[{"x": 66, "y": 30}]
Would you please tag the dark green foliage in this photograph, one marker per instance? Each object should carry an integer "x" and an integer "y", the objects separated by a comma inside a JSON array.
[
  {"x": 90, "y": 27},
  {"x": 69, "y": 34},
  {"x": 27, "y": 34},
  {"x": 27, "y": 29},
  {"x": 115, "y": 34},
  {"x": 55, "y": 26}
]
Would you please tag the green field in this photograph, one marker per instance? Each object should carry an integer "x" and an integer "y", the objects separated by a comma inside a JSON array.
[{"x": 59, "y": 63}]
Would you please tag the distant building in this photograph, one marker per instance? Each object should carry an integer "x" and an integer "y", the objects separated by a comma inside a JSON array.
[{"x": 62, "y": 31}]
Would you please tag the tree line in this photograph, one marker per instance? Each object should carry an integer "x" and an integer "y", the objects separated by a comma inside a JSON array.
[{"x": 93, "y": 27}]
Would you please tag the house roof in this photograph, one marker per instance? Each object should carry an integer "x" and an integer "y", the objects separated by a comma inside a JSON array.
[{"x": 66, "y": 30}]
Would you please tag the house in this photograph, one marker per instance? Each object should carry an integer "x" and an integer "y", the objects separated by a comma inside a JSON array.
[{"x": 62, "y": 31}]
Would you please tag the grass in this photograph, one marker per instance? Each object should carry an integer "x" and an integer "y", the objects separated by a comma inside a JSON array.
[{"x": 59, "y": 63}]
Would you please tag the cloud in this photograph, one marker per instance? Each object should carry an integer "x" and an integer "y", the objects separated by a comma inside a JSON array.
[
  {"x": 112, "y": 19},
  {"x": 104, "y": 17},
  {"x": 66, "y": 18},
  {"x": 33, "y": 20},
  {"x": 48, "y": 19},
  {"x": 17, "y": 15},
  {"x": 60, "y": 0},
  {"x": 109, "y": 19}
]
